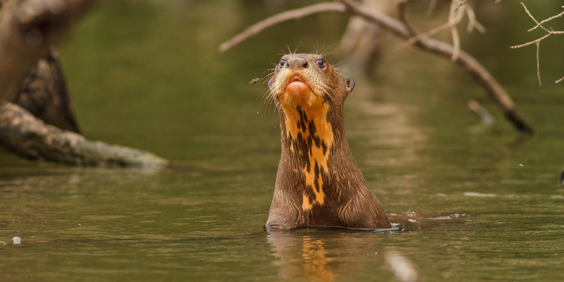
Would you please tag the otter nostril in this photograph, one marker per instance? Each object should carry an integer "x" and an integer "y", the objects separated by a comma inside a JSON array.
[{"x": 305, "y": 65}]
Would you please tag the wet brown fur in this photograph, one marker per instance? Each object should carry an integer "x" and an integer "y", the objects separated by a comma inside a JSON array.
[{"x": 318, "y": 182}]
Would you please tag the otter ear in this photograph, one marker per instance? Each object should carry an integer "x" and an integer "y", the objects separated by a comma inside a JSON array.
[{"x": 349, "y": 82}]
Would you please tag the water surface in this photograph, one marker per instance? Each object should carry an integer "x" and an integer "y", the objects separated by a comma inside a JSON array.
[{"x": 476, "y": 202}]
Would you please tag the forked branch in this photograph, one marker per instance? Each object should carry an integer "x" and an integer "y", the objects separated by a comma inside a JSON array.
[{"x": 549, "y": 32}]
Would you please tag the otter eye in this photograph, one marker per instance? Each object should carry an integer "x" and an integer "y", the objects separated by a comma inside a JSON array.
[
  {"x": 282, "y": 63},
  {"x": 320, "y": 63}
]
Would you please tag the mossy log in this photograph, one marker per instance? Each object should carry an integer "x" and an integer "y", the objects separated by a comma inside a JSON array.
[{"x": 31, "y": 138}]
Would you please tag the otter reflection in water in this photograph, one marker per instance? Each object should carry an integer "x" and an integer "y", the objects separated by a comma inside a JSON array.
[
  {"x": 323, "y": 255},
  {"x": 318, "y": 182}
]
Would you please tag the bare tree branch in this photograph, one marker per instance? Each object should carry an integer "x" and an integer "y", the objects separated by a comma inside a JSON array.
[
  {"x": 403, "y": 30},
  {"x": 278, "y": 18},
  {"x": 465, "y": 61}
]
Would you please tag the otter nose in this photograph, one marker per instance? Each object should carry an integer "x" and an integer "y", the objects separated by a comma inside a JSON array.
[{"x": 298, "y": 63}]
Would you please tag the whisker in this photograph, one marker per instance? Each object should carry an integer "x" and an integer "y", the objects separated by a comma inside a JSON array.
[
  {"x": 297, "y": 47},
  {"x": 325, "y": 51}
]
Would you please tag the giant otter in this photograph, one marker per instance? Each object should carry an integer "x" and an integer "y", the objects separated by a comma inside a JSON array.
[{"x": 318, "y": 182}]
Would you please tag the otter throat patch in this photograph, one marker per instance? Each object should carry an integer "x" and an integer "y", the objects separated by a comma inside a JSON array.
[{"x": 311, "y": 138}]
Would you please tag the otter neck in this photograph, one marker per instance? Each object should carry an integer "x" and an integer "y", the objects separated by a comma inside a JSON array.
[{"x": 310, "y": 137}]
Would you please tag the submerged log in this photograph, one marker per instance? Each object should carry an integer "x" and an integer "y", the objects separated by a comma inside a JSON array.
[
  {"x": 43, "y": 91},
  {"x": 31, "y": 138}
]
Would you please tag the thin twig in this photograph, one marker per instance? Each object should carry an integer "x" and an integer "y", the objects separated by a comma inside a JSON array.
[
  {"x": 547, "y": 20},
  {"x": 455, "y": 43},
  {"x": 432, "y": 5},
  {"x": 452, "y": 19},
  {"x": 460, "y": 4},
  {"x": 278, "y": 18},
  {"x": 426, "y": 34},
  {"x": 538, "y": 66},
  {"x": 531, "y": 16},
  {"x": 448, "y": 25},
  {"x": 472, "y": 21},
  {"x": 550, "y": 33},
  {"x": 401, "y": 17},
  {"x": 534, "y": 41}
]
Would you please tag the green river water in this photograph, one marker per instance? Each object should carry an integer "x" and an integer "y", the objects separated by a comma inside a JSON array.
[{"x": 483, "y": 202}]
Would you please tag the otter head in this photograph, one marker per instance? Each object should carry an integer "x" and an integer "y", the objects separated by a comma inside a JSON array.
[{"x": 308, "y": 81}]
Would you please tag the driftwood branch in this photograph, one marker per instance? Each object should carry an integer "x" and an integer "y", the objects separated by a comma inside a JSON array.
[
  {"x": 403, "y": 30},
  {"x": 30, "y": 138},
  {"x": 28, "y": 30}
]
